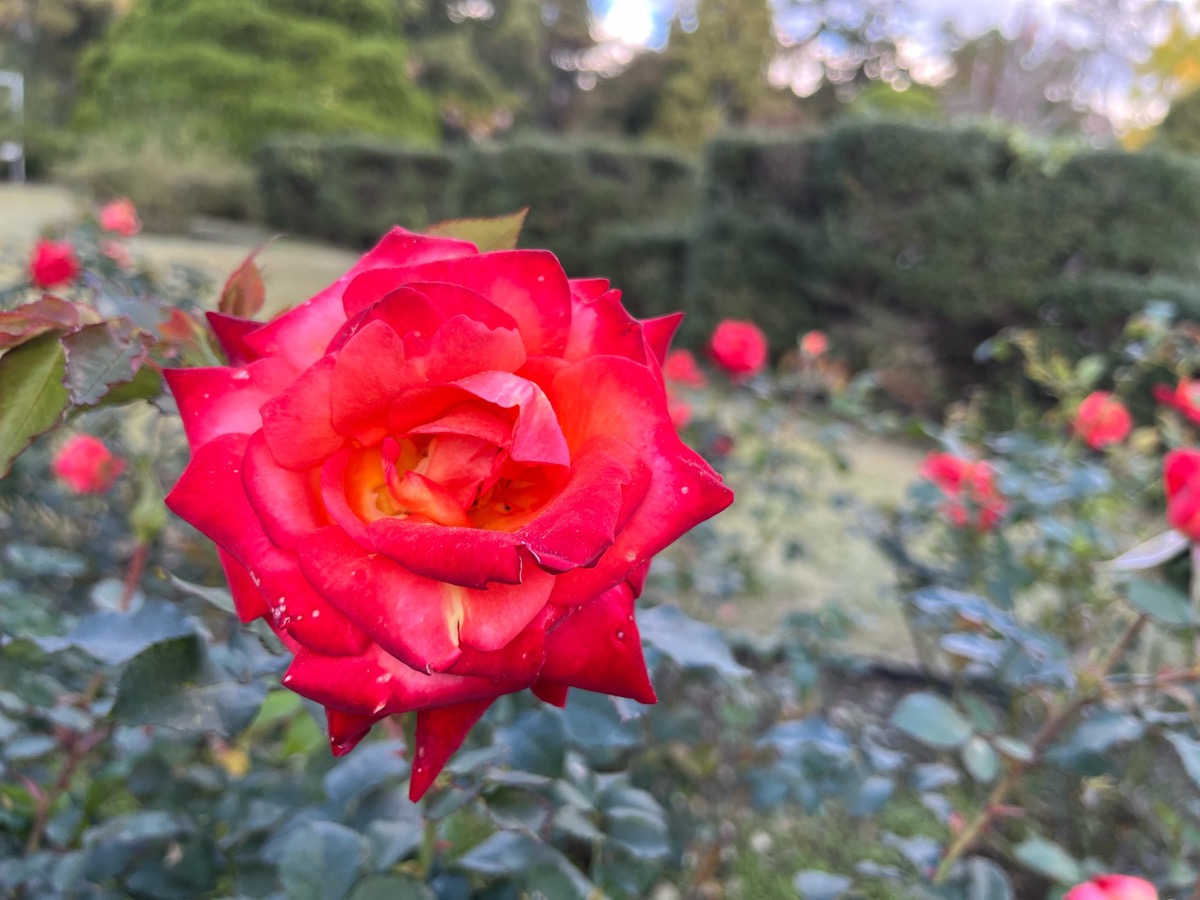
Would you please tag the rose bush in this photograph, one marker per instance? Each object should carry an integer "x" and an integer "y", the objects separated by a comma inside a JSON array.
[
  {"x": 442, "y": 480},
  {"x": 1102, "y": 420},
  {"x": 120, "y": 216}
]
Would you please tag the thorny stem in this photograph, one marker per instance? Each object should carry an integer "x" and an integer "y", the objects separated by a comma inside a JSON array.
[
  {"x": 133, "y": 574},
  {"x": 78, "y": 746},
  {"x": 1059, "y": 718}
]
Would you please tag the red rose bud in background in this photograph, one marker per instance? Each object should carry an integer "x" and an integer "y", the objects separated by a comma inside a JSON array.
[
  {"x": 972, "y": 499},
  {"x": 681, "y": 368},
  {"x": 1102, "y": 420},
  {"x": 53, "y": 264},
  {"x": 1185, "y": 398},
  {"x": 120, "y": 216},
  {"x": 442, "y": 480},
  {"x": 1113, "y": 887},
  {"x": 1181, "y": 478},
  {"x": 814, "y": 344},
  {"x": 85, "y": 465},
  {"x": 740, "y": 348}
]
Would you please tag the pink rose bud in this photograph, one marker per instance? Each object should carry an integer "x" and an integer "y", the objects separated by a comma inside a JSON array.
[
  {"x": 1113, "y": 887},
  {"x": 1102, "y": 420},
  {"x": 740, "y": 348},
  {"x": 120, "y": 216},
  {"x": 972, "y": 499},
  {"x": 53, "y": 264},
  {"x": 1181, "y": 478},
  {"x": 681, "y": 368},
  {"x": 442, "y": 480},
  {"x": 85, "y": 465},
  {"x": 814, "y": 344}
]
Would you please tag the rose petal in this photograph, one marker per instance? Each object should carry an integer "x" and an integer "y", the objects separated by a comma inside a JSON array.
[
  {"x": 415, "y": 619},
  {"x": 493, "y": 617},
  {"x": 537, "y": 437},
  {"x": 529, "y": 285},
  {"x": 658, "y": 333},
  {"x": 248, "y": 600},
  {"x": 588, "y": 288},
  {"x": 518, "y": 661},
  {"x": 210, "y": 495},
  {"x": 368, "y": 374},
  {"x": 468, "y": 557},
  {"x": 215, "y": 401},
  {"x": 298, "y": 423},
  {"x": 231, "y": 333},
  {"x": 346, "y": 730},
  {"x": 602, "y": 327},
  {"x": 463, "y": 347},
  {"x": 549, "y": 692},
  {"x": 439, "y": 733},
  {"x": 287, "y": 502},
  {"x": 598, "y": 648}
]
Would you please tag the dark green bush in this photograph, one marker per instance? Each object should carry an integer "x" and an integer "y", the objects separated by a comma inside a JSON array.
[{"x": 648, "y": 263}]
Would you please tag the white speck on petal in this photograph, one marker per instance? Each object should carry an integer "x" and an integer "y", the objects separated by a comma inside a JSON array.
[
  {"x": 684, "y": 489},
  {"x": 316, "y": 613}
]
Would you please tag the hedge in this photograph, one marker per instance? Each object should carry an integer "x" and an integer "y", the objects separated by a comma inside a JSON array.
[{"x": 955, "y": 230}]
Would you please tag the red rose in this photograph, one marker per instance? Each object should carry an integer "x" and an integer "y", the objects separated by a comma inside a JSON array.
[
  {"x": 1102, "y": 420},
  {"x": 681, "y": 368},
  {"x": 86, "y": 465},
  {"x": 972, "y": 499},
  {"x": 1185, "y": 398},
  {"x": 1181, "y": 478},
  {"x": 441, "y": 480},
  {"x": 120, "y": 216},
  {"x": 814, "y": 344},
  {"x": 53, "y": 263},
  {"x": 740, "y": 348},
  {"x": 1113, "y": 887}
]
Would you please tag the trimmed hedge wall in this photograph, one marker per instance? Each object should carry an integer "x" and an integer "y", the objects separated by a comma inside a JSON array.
[{"x": 954, "y": 230}]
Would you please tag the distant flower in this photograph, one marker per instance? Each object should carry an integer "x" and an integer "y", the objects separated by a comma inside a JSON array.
[
  {"x": 121, "y": 217},
  {"x": 53, "y": 263},
  {"x": 972, "y": 499},
  {"x": 681, "y": 367},
  {"x": 118, "y": 253},
  {"x": 1181, "y": 478},
  {"x": 86, "y": 466},
  {"x": 1113, "y": 887},
  {"x": 1102, "y": 420},
  {"x": 738, "y": 347},
  {"x": 679, "y": 410},
  {"x": 1185, "y": 398},
  {"x": 814, "y": 344}
]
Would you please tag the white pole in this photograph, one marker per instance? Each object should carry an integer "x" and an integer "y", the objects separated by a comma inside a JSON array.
[{"x": 13, "y": 152}]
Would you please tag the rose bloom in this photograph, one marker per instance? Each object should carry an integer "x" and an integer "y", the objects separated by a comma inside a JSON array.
[
  {"x": 1185, "y": 398},
  {"x": 120, "y": 216},
  {"x": 442, "y": 480},
  {"x": 53, "y": 263},
  {"x": 814, "y": 344},
  {"x": 681, "y": 368},
  {"x": 85, "y": 465},
  {"x": 118, "y": 253},
  {"x": 972, "y": 499},
  {"x": 1113, "y": 887},
  {"x": 740, "y": 348},
  {"x": 1102, "y": 420},
  {"x": 1181, "y": 478}
]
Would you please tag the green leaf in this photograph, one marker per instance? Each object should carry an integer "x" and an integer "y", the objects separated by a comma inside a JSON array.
[
  {"x": 688, "y": 643},
  {"x": 170, "y": 684},
  {"x": 1152, "y": 553},
  {"x": 392, "y": 887},
  {"x": 244, "y": 292},
  {"x": 985, "y": 880},
  {"x": 322, "y": 861},
  {"x": 1049, "y": 859},
  {"x": 218, "y": 597},
  {"x": 146, "y": 385},
  {"x": 32, "y": 395},
  {"x": 513, "y": 854},
  {"x": 1189, "y": 754},
  {"x": 518, "y": 810},
  {"x": 931, "y": 720},
  {"x": 980, "y": 759},
  {"x": 115, "y": 637},
  {"x": 100, "y": 356},
  {"x": 1161, "y": 602},
  {"x": 500, "y": 233},
  {"x": 813, "y": 884}
]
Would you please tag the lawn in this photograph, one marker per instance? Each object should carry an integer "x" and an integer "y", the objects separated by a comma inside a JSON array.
[{"x": 835, "y": 563}]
